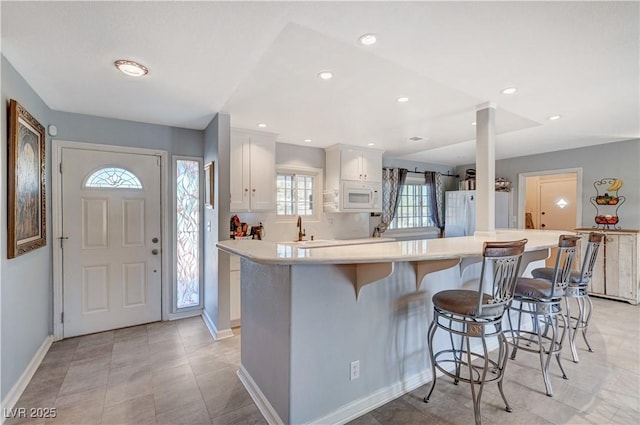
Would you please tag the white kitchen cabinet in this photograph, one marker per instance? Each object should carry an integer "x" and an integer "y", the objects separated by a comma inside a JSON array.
[
  {"x": 360, "y": 164},
  {"x": 252, "y": 177},
  {"x": 616, "y": 274},
  {"x": 234, "y": 290}
]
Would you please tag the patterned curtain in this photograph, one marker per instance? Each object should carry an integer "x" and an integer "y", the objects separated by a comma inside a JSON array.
[
  {"x": 433, "y": 180},
  {"x": 392, "y": 181}
]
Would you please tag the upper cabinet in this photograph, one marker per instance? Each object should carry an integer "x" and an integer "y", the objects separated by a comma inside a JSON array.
[
  {"x": 353, "y": 163},
  {"x": 359, "y": 164},
  {"x": 252, "y": 177}
]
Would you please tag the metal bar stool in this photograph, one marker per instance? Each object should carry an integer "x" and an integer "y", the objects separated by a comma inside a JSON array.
[
  {"x": 477, "y": 314},
  {"x": 577, "y": 289},
  {"x": 541, "y": 300}
]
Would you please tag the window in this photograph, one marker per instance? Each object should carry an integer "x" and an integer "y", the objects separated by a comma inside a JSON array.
[
  {"x": 113, "y": 178},
  {"x": 187, "y": 233},
  {"x": 297, "y": 191},
  {"x": 413, "y": 209}
]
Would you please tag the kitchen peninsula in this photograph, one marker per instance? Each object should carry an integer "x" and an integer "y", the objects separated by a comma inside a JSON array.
[{"x": 329, "y": 333}]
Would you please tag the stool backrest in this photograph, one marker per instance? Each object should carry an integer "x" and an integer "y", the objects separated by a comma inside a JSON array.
[
  {"x": 590, "y": 255},
  {"x": 503, "y": 260},
  {"x": 564, "y": 261}
]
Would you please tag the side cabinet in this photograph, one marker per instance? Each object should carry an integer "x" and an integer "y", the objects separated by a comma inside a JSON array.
[
  {"x": 253, "y": 163},
  {"x": 616, "y": 274}
]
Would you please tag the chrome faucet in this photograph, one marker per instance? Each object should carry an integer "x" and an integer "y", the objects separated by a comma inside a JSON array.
[{"x": 301, "y": 231}]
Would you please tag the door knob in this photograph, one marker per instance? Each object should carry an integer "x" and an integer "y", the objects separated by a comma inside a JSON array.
[
  {"x": 154, "y": 240},
  {"x": 543, "y": 213},
  {"x": 155, "y": 251},
  {"x": 543, "y": 225}
]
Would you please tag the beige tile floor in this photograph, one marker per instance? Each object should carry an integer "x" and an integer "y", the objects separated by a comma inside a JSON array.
[{"x": 174, "y": 373}]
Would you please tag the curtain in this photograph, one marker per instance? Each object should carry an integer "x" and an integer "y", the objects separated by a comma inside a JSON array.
[
  {"x": 392, "y": 182},
  {"x": 433, "y": 180}
]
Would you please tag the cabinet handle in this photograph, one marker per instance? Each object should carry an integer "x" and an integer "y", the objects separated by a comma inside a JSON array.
[
  {"x": 246, "y": 190},
  {"x": 254, "y": 191},
  {"x": 365, "y": 176},
  {"x": 361, "y": 176}
]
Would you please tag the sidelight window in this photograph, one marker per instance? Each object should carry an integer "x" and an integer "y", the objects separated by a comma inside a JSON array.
[{"x": 187, "y": 287}]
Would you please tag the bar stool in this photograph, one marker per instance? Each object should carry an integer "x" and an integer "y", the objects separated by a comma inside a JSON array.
[
  {"x": 477, "y": 314},
  {"x": 577, "y": 289},
  {"x": 541, "y": 300}
]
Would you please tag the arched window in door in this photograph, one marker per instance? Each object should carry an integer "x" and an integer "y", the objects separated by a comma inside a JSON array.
[{"x": 113, "y": 178}]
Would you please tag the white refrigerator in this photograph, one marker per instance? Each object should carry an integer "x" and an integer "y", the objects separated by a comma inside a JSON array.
[{"x": 460, "y": 212}]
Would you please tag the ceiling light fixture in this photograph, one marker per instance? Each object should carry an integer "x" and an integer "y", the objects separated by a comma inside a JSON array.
[
  {"x": 554, "y": 117},
  {"x": 325, "y": 75},
  {"x": 370, "y": 144},
  {"x": 367, "y": 39},
  {"x": 307, "y": 140},
  {"x": 262, "y": 125},
  {"x": 509, "y": 90},
  {"x": 473, "y": 123},
  {"x": 402, "y": 99},
  {"x": 131, "y": 68}
]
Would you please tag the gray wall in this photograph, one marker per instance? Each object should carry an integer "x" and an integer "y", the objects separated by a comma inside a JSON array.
[
  {"x": 217, "y": 143},
  {"x": 616, "y": 160},
  {"x": 26, "y": 293},
  {"x": 25, "y": 288}
]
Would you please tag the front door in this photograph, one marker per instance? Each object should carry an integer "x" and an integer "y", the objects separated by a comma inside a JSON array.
[{"x": 111, "y": 247}]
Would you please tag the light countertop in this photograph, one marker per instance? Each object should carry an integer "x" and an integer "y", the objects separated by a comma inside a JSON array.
[{"x": 266, "y": 252}]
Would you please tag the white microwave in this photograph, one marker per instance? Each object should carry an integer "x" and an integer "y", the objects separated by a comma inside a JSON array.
[{"x": 361, "y": 196}]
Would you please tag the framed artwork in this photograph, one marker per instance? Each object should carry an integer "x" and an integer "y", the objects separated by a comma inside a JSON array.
[
  {"x": 26, "y": 192},
  {"x": 208, "y": 185}
]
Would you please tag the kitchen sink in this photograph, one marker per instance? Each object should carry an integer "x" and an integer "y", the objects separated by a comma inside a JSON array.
[{"x": 324, "y": 243}]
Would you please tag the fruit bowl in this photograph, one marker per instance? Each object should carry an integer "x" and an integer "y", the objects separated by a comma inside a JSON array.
[
  {"x": 606, "y": 219},
  {"x": 606, "y": 200}
]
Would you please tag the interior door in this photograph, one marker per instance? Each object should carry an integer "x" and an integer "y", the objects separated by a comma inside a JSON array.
[
  {"x": 557, "y": 208},
  {"x": 111, "y": 248}
]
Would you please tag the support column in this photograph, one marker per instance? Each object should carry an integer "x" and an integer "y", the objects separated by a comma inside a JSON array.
[{"x": 485, "y": 169}]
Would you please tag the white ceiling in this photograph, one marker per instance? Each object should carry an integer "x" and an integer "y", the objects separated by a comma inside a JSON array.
[{"x": 258, "y": 61}]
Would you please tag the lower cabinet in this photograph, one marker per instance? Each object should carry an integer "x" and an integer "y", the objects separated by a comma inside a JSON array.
[
  {"x": 616, "y": 274},
  {"x": 234, "y": 283}
]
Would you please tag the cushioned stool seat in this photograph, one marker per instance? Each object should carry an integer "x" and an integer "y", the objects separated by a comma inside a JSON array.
[
  {"x": 546, "y": 273},
  {"x": 536, "y": 288},
  {"x": 464, "y": 303}
]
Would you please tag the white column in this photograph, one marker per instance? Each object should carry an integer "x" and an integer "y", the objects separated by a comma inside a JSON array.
[{"x": 485, "y": 169}]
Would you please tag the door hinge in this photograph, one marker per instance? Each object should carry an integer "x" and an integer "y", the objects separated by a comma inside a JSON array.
[
  {"x": 61, "y": 168},
  {"x": 62, "y": 317}
]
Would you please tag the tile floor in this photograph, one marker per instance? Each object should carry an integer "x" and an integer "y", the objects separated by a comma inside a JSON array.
[{"x": 174, "y": 373}]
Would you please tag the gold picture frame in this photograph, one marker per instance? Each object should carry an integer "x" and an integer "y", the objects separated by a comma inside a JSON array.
[
  {"x": 27, "y": 211},
  {"x": 208, "y": 184}
]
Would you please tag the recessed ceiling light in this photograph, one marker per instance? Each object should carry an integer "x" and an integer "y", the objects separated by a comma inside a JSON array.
[
  {"x": 131, "y": 68},
  {"x": 326, "y": 75},
  {"x": 509, "y": 90},
  {"x": 307, "y": 140},
  {"x": 262, "y": 125},
  {"x": 402, "y": 99},
  {"x": 473, "y": 123},
  {"x": 370, "y": 144},
  {"x": 367, "y": 39},
  {"x": 554, "y": 117}
]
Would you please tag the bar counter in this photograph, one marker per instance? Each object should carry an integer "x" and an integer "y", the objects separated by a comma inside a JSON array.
[{"x": 309, "y": 311}]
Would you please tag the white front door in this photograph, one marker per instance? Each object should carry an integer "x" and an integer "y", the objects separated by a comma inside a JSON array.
[{"x": 111, "y": 248}]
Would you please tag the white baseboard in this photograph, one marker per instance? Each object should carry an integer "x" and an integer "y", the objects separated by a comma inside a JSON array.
[
  {"x": 258, "y": 397},
  {"x": 215, "y": 333},
  {"x": 14, "y": 394}
]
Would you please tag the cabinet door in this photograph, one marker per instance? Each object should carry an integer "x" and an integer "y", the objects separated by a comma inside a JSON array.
[
  {"x": 372, "y": 166},
  {"x": 619, "y": 266},
  {"x": 239, "y": 175},
  {"x": 351, "y": 164},
  {"x": 263, "y": 174}
]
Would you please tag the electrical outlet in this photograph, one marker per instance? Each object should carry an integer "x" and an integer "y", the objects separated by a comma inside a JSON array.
[{"x": 355, "y": 370}]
